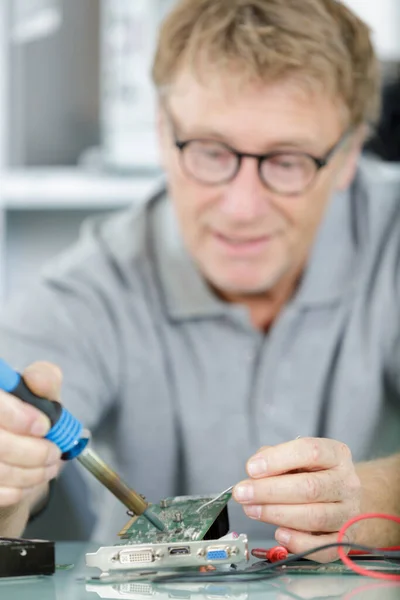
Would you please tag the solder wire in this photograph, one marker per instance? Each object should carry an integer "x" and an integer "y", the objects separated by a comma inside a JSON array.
[{"x": 229, "y": 489}]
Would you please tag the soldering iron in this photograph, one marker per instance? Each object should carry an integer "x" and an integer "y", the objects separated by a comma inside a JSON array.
[{"x": 73, "y": 441}]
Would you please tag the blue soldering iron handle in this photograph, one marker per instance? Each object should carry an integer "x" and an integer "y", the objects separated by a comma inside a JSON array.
[{"x": 66, "y": 431}]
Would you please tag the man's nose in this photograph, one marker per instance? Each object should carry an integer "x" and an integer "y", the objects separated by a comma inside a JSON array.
[{"x": 245, "y": 197}]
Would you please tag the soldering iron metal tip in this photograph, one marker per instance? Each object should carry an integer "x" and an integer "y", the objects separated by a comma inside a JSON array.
[{"x": 154, "y": 520}]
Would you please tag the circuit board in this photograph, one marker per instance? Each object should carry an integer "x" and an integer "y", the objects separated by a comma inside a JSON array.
[
  {"x": 183, "y": 518},
  {"x": 196, "y": 535},
  {"x": 310, "y": 567}
]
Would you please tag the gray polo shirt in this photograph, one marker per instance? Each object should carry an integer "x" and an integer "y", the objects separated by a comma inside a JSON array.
[{"x": 178, "y": 387}]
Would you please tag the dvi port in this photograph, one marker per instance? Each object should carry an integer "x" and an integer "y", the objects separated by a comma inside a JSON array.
[
  {"x": 142, "y": 589},
  {"x": 142, "y": 556}
]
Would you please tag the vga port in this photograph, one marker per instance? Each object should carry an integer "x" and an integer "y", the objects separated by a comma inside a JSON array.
[
  {"x": 217, "y": 553},
  {"x": 142, "y": 556}
]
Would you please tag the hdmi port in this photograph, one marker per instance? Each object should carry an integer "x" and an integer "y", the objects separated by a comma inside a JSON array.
[{"x": 178, "y": 550}]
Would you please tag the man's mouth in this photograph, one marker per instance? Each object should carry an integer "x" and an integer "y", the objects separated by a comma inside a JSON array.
[{"x": 241, "y": 246}]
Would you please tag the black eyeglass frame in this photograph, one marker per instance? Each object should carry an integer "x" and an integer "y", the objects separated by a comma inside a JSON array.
[{"x": 320, "y": 162}]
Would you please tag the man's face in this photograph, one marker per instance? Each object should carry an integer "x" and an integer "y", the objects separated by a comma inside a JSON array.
[{"x": 245, "y": 238}]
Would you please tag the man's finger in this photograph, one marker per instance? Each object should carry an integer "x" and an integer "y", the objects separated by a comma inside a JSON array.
[
  {"x": 299, "y": 541},
  {"x": 316, "y": 518},
  {"x": 263, "y": 449},
  {"x": 17, "y": 477},
  {"x": 307, "y": 454},
  {"x": 19, "y": 417},
  {"x": 298, "y": 488},
  {"x": 28, "y": 452},
  {"x": 44, "y": 379}
]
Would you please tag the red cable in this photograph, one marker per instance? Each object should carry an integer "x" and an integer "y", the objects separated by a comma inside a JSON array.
[
  {"x": 278, "y": 553},
  {"x": 347, "y": 561}
]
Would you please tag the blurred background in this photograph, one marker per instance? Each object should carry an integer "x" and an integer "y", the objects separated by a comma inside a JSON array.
[
  {"x": 76, "y": 121},
  {"x": 77, "y": 129}
]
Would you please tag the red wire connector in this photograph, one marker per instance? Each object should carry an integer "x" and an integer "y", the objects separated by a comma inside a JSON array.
[{"x": 271, "y": 554}]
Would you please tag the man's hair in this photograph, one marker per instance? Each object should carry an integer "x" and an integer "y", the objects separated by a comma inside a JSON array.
[{"x": 313, "y": 41}]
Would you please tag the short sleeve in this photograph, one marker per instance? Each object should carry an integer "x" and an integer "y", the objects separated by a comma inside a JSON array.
[{"x": 67, "y": 318}]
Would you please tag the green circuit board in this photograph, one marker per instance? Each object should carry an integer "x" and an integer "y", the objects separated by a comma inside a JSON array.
[
  {"x": 180, "y": 515},
  {"x": 310, "y": 567}
]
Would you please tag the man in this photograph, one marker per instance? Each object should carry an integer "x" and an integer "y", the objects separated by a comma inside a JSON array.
[{"x": 255, "y": 302}]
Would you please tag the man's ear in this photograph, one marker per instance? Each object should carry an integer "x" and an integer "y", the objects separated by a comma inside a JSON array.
[
  {"x": 159, "y": 118},
  {"x": 161, "y": 128},
  {"x": 349, "y": 165}
]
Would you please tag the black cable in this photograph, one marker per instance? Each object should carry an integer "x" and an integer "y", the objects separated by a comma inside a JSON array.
[{"x": 264, "y": 570}]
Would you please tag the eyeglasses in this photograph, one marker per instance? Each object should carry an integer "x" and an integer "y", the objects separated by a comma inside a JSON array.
[{"x": 283, "y": 172}]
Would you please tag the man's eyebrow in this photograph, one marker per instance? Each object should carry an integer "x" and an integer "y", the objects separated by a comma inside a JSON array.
[
  {"x": 209, "y": 133},
  {"x": 297, "y": 144}
]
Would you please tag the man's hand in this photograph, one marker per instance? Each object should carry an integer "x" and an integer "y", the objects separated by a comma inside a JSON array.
[
  {"x": 27, "y": 461},
  {"x": 308, "y": 487}
]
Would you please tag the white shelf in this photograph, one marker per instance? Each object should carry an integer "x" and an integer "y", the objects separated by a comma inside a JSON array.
[{"x": 71, "y": 188}]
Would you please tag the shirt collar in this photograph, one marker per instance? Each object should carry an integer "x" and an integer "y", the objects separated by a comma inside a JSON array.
[
  {"x": 331, "y": 271},
  {"x": 186, "y": 293},
  {"x": 328, "y": 277}
]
